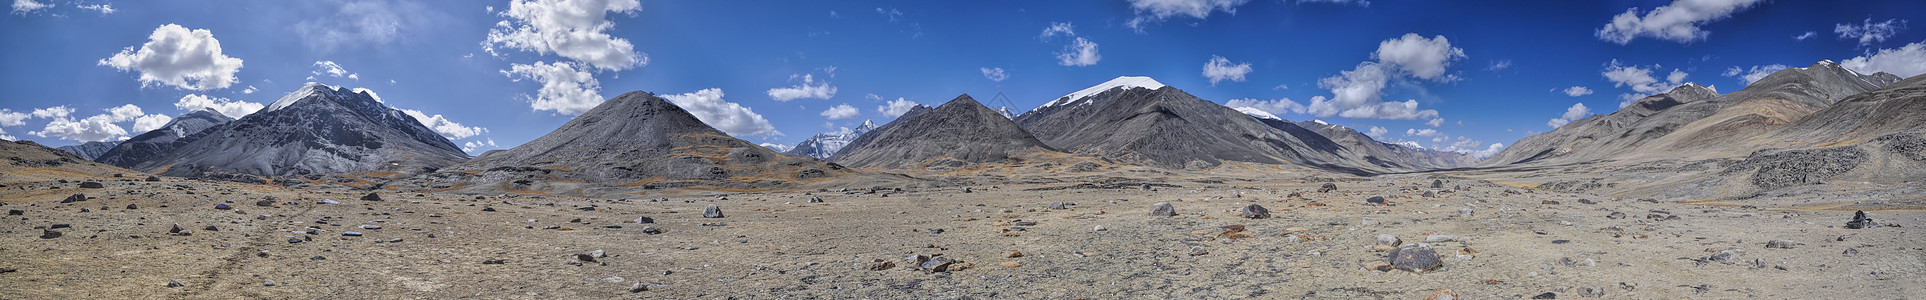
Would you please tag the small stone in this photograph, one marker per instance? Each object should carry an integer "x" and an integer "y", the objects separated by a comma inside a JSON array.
[
  {"x": 49, "y": 234},
  {"x": 651, "y": 230},
  {"x": 318, "y": 257},
  {"x": 1587, "y": 201},
  {"x": 174, "y": 283},
  {"x": 1025, "y": 223},
  {"x": 881, "y": 264},
  {"x": 1098, "y": 228},
  {"x": 153, "y": 178},
  {"x": 176, "y": 229},
  {"x": 1429, "y": 194},
  {"x": 350, "y": 233},
  {"x": 268, "y": 283},
  {"x": 585, "y": 257},
  {"x": 712, "y": 211},
  {"x": 1198, "y": 250},
  {"x": 1012, "y": 254},
  {"x": 1615, "y": 215},
  {"x": 644, "y": 220},
  {"x": 598, "y": 253},
  {"x": 370, "y": 226},
  {"x": 1327, "y": 187},
  {"x": 74, "y": 198},
  {"x": 1060, "y": 205},
  {"x": 223, "y": 206},
  {"x": 1254, "y": 211},
  {"x": 1781, "y": 244},
  {"x": 1389, "y": 240},
  {"x": 638, "y": 288},
  {"x": 815, "y": 200},
  {"x": 1591, "y": 292},
  {"x": 394, "y": 240},
  {"x": 1860, "y": 221},
  {"x": 1465, "y": 212},
  {"x": 1440, "y": 238},
  {"x": 132, "y": 206},
  {"x": 938, "y": 264},
  {"x": 1368, "y": 221},
  {"x": 91, "y": 185},
  {"x": 1162, "y": 209},
  {"x": 1728, "y": 256},
  {"x": 494, "y": 261},
  {"x": 294, "y": 240},
  {"x": 966, "y": 190},
  {"x": 371, "y": 197},
  {"x": 1297, "y": 229},
  {"x": 488, "y": 209},
  {"x": 329, "y": 201},
  {"x": 1010, "y": 264},
  {"x": 264, "y": 202},
  {"x": 15, "y": 212},
  {"x": 1375, "y": 200},
  {"x": 1546, "y": 295},
  {"x": 1417, "y": 258}
]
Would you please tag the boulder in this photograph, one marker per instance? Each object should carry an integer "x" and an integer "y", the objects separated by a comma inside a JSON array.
[
  {"x": 1327, "y": 187},
  {"x": 1254, "y": 211},
  {"x": 712, "y": 212},
  {"x": 91, "y": 185},
  {"x": 1417, "y": 258},
  {"x": 1860, "y": 221},
  {"x": 74, "y": 198},
  {"x": 1375, "y": 200},
  {"x": 371, "y": 197},
  {"x": 1437, "y": 184},
  {"x": 1162, "y": 209}
]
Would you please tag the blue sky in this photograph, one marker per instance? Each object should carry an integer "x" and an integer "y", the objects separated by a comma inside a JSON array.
[{"x": 1454, "y": 75}]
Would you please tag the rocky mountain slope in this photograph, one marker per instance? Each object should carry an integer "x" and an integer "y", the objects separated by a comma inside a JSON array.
[
  {"x": 635, "y": 140},
  {"x": 29, "y": 161},
  {"x": 826, "y": 144},
  {"x": 90, "y": 150},
  {"x": 1396, "y": 157},
  {"x": 955, "y": 134},
  {"x": 317, "y": 129},
  {"x": 149, "y": 145}
]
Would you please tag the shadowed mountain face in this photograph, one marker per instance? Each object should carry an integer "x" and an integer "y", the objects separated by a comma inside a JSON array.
[
  {"x": 1694, "y": 121},
  {"x": 1358, "y": 147},
  {"x": 150, "y": 145},
  {"x": 640, "y": 139},
  {"x": 90, "y": 150},
  {"x": 956, "y": 134},
  {"x": 825, "y": 144},
  {"x": 314, "y": 130}
]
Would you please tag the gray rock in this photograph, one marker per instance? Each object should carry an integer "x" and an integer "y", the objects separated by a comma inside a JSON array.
[
  {"x": 1465, "y": 212},
  {"x": 815, "y": 200},
  {"x": 49, "y": 234},
  {"x": 1615, "y": 215},
  {"x": 1060, "y": 205},
  {"x": 638, "y": 288},
  {"x": 1429, "y": 194},
  {"x": 1375, "y": 200},
  {"x": 1437, "y": 184},
  {"x": 1327, "y": 187},
  {"x": 1728, "y": 256},
  {"x": 370, "y": 226},
  {"x": 264, "y": 202},
  {"x": 712, "y": 211},
  {"x": 1781, "y": 244},
  {"x": 1546, "y": 295},
  {"x": 350, "y": 233},
  {"x": 174, "y": 283},
  {"x": 651, "y": 230},
  {"x": 1440, "y": 238},
  {"x": 1389, "y": 240},
  {"x": 1860, "y": 221},
  {"x": 644, "y": 220},
  {"x": 74, "y": 198},
  {"x": 938, "y": 264},
  {"x": 269, "y": 283},
  {"x": 294, "y": 240},
  {"x": 598, "y": 253},
  {"x": 223, "y": 206},
  {"x": 1417, "y": 258},
  {"x": 91, "y": 185},
  {"x": 1254, "y": 211},
  {"x": 1591, "y": 292},
  {"x": 132, "y": 206},
  {"x": 1162, "y": 209},
  {"x": 585, "y": 257},
  {"x": 371, "y": 197}
]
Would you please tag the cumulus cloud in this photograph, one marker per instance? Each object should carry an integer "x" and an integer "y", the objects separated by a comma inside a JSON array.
[
  {"x": 91, "y": 129},
  {"x": 995, "y": 74},
  {"x": 177, "y": 56},
  {"x": 1081, "y": 52},
  {"x": 9, "y": 117},
  {"x": 442, "y": 125},
  {"x": 123, "y": 113},
  {"x": 1640, "y": 80},
  {"x": 1427, "y": 132},
  {"x": 1275, "y": 107},
  {"x": 896, "y": 107},
  {"x": 1220, "y": 69},
  {"x": 1422, "y": 57},
  {"x": 1576, "y": 91},
  {"x": 358, "y": 23},
  {"x": 1577, "y": 111},
  {"x": 146, "y": 123},
  {"x": 843, "y": 111},
  {"x": 331, "y": 69},
  {"x": 737, "y": 120},
  {"x": 53, "y": 112},
  {"x": 1376, "y": 132},
  {"x": 564, "y": 89},
  {"x": 1754, "y": 73},
  {"x": 576, "y": 30},
  {"x": 28, "y": 6},
  {"x": 1055, "y": 29},
  {"x": 1435, "y": 122},
  {"x": 1869, "y": 32},
  {"x": 1907, "y": 61},
  {"x": 1154, "y": 11},
  {"x": 1678, "y": 22},
  {"x": 809, "y": 88},
  {"x": 1473, "y": 151},
  {"x": 1358, "y": 93},
  {"x": 471, "y": 146},
  {"x": 230, "y": 108}
]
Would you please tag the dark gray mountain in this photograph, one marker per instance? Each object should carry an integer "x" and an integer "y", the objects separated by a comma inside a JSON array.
[
  {"x": 314, "y": 130},
  {"x": 955, "y": 134},
  {"x": 1397, "y": 157},
  {"x": 148, "y": 146},
  {"x": 1695, "y": 120},
  {"x": 825, "y": 144},
  {"x": 90, "y": 150},
  {"x": 1137, "y": 120},
  {"x": 639, "y": 139}
]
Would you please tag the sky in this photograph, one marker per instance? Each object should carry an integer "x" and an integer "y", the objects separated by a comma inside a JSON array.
[{"x": 1465, "y": 76}]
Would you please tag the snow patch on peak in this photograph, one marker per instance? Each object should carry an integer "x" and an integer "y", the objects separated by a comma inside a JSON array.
[
  {"x": 1125, "y": 82},
  {"x": 1320, "y": 122},
  {"x": 1257, "y": 113},
  {"x": 306, "y": 90}
]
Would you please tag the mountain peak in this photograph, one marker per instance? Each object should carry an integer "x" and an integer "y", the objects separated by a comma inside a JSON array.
[{"x": 1125, "y": 82}]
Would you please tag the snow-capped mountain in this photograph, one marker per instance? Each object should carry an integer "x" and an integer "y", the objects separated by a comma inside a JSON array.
[
  {"x": 825, "y": 144},
  {"x": 1124, "y": 82},
  {"x": 316, "y": 129},
  {"x": 151, "y": 144}
]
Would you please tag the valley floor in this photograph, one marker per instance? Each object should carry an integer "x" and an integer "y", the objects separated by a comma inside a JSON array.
[{"x": 1515, "y": 243}]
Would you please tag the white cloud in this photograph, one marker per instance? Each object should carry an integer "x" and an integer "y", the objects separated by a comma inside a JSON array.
[
  {"x": 575, "y": 30},
  {"x": 248, "y": 90},
  {"x": 1499, "y": 65},
  {"x": 1055, "y": 29},
  {"x": 5, "y": 136},
  {"x": 232, "y": 109},
  {"x": 92, "y": 129},
  {"x": 442, "y": 125},
  {"x": 1804, "y": 36},
  {"x": 358, "y": 23},
  {"x": 1376, "y": 132},
  {"x": 896, "y": 107},
  {"x": 371, "y": 94},
  {"x": 1275, "y": 107},
  {"x": 1435, "y": 122},
  {"x": 1753, "y": 74},
  {"x": 843, "y": 111},
  {"x": 1220, "y": 69},
  {"x": 1427, "y": 132},
  {"x": 1364, "y": 3},
  {"x": 1151, "y": 11},
  {"x": 995, "y": 74},
  {"x": 102, "y": 9},
  {"x": 9, "y": 117},
  {"x": 1870, "y": 32},
  {"x": 174, "y": 55},
  {"x": 471, "y": 146},
  {"x": 28, "y": 6},
  {"x": 1576, "y": 91},
  {"x": 734, "y": 119},
  {"x": 123, "y": 113},
  {"x": 146, "y": 123},
  {"x": 331, "y": 69},
  {"x": 1678, "y": 22},
  {"x": 564, "y": 89},
  {"x": 1640, "y": 80},
  {"x": 803, "y": 90},
  {"x": 1081, "y": 52},
  {"x": 1481, "y": 154},
  {"x": 1577, "y": 111},
  {"x": 1907, "y": 61},
  {"x": 53, "y": 112},
  {"x": 1424, "y": 58}
]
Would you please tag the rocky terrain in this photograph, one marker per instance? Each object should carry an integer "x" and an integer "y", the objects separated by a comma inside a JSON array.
[
  {"x": 956, "y": 134},
  {"x": 822, "y": 145},
  {"x": 161, "y": 141},
  {"x": 314, "y": 130},
  {"x": 90, "y": 150}
]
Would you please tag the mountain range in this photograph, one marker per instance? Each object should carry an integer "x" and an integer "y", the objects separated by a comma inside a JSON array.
[{"x": 317, "y": 129}]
